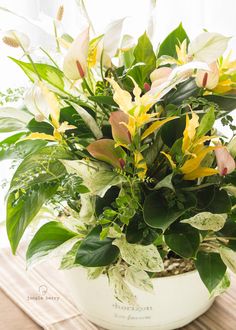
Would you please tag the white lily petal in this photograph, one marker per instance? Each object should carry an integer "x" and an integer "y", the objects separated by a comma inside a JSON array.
[
  {"x": 75, "y": 62},
  {"x": 112, "y": 37},
  {"x": 208, "y": 47}
]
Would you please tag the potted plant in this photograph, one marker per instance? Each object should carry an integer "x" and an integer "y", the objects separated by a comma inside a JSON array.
[{"x": 139, "y": 183}]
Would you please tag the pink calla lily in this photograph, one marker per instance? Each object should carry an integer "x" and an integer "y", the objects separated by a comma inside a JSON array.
[
  {"x": 208, "y": 79},
  {"x": 225, "y": 162},
  {"x": 120, "y": 132},
  {"x": 106, "y": 151}
]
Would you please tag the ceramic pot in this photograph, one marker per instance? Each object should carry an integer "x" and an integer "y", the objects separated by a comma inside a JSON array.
[{"x": 177, "y": 301}]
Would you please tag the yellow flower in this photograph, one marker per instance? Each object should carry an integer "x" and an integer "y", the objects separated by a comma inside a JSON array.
[
  {"x": 140, "y": 164},
  {"x": 227, "y": 80},
  {"x": 195, "y": 151}
]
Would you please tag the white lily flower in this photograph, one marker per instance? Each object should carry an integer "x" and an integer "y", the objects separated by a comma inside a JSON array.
[
  {"x": 16, "y": 39},
  {"x": 208, "y": 79},
  {"x": 42, "y": 103},
  {"x": 75, "y": 62},
  {"x": 208, "y": 47}
]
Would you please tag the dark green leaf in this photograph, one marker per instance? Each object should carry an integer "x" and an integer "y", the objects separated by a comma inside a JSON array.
[
  {"x": 173, "y": 131},
  {"x": 48, "y": 237},
  {"x": 22, "y": 210},
  {"x": 226, "y": 102},
  {"x": 184, "y": 90},
  {"x": 211, "y": 269},
  {"x": 100, "y": 99},
  {"x": 183, "y": 240},
  {"x": 94, "y": 252},
  {"x": 158, "y": 214},
  {"x": 40, "y": 127},
  {"x": 221, "y": 202},
  {"x": 168, "y": 45}
]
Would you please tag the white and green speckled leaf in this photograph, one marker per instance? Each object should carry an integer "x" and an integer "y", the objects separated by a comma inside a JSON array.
[
  {"x": 229, "y": 258},
  {"x": 143, "y": 257},
  {"x": 138, "y": 278},
  {"x": 207, "y": 221},
  {"x": 121, "y": 290},
  {"x": 221, "y": 287},
  {"x": 95, "y": 272}
]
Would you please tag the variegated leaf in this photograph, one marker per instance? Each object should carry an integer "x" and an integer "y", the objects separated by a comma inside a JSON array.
[
  {"x": 121, "y": 290},
  {"x": 207, "y": 221},
  {"x": 229, "y": 258},
  {"x": 221, "y": 287},
  {"x": 138, "y": 278},
  {"x": 144, "y": 257}
]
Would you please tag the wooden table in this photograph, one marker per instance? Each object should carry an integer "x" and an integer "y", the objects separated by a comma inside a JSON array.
[{"x": 221, "y": 316}]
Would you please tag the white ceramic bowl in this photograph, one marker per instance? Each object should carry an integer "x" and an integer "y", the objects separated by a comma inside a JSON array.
[{"x": 177, "y": 301}]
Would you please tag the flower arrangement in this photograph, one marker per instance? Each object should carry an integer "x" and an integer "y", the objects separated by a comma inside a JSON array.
[{"x": 120, "y": 156}]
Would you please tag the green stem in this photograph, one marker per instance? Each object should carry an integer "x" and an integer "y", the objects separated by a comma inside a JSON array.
[
  {"x": 87, "y": 86},
  {"x": 56, "y": 37}
]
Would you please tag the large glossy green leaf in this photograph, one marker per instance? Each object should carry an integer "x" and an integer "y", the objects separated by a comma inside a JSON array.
[
  {"x": 39, "y": 167},
  {"x": 9, "y": 149},
  {"x": 94, "y": 252},
  {"x": 21, "y": 210},
  {"x": 143, "y": 53},
  {"x": 221, "y": 202},
  {"x": 47, "y": 72},
  {"x": 226, "y": 102},
  {"x": 48, "y": 237},
  {"x": 158, "y": 214},
  {"x": 211, "y": 269},
  {"x": 168, "y": 45},
  {"x": 101, "y": 99},
  {"x": 184, "y": 90},
  {"x": 183, "y": 240}
]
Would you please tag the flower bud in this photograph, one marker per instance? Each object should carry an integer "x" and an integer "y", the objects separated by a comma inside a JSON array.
[
  {"x": 225, "y": 162},
  {"x": 159, "y": 76},
  {"x": 16, "y": 39}
]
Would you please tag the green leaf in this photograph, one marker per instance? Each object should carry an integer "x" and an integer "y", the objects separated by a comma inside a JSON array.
[
  {"x": 139, "y": 232},
  {"x": 97, "y": 176},
  {"x": 183, "y": 240},
  {"x": 143, "y": 53},
  {"x": 21, "y": 211},
  {"x": 221, "y": 287},
  {"x": 226, "y": 102},
  {"x": 101, "y": 99},
  {"x": 121, "y": 290},
  {"x": 184, "y": 90},
  {"x": 158, "y": 214},
  {"x": 48, "y": 237},
  {"x": 207, "y": 221},
  {"x": 40, "y": 127},
  {"x": 229, "y": 258},
  {"x": 139, "y": 279},
  {"x": 221, "y": 202},
  {"x": 211, "y": 269},
  {"x": 144, "y": 257},
  {"x": 11, "y": 125},
  {"x": 165, "y": 183},
  {"x": 173, "y": 131},
  {"x": 39, "y": 167},
  {"x": 207, "y": 122},
  {"x": 47, "y": 72},
  {"x": 9, "y": 149},
  {"x": 168, "y": 45},
  {"x": 94, "y": 252}
]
